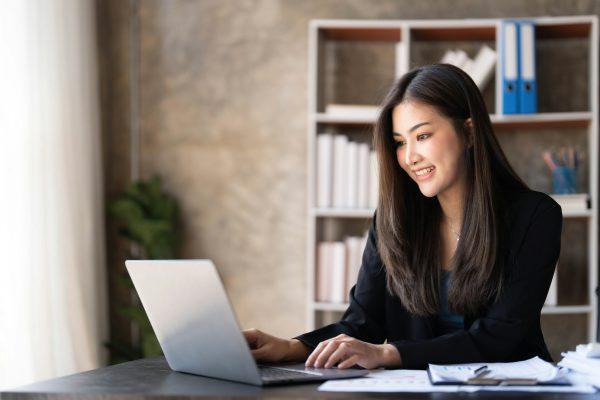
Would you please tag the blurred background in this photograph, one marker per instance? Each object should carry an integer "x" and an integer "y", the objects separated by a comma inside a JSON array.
[{"x": 178, "y": 129}]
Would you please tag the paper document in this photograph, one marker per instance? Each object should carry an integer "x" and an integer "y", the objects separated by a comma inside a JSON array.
[
  {"x": 399, "y": 380},
  {"x": 532, "y": 369},
  {"x": 417, "y": 381}
]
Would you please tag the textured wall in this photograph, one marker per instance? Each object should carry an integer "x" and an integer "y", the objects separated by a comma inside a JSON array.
[{"x": 223, "y": 120}]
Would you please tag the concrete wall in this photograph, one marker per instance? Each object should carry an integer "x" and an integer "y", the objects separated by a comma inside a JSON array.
[{"x": 223, "y": 105}]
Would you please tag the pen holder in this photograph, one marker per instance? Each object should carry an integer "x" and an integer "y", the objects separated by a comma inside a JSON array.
[{"x": 563, "y": 180}]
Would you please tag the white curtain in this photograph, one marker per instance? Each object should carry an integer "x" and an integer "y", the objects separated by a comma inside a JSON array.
[{"x": 52, "y": 279}]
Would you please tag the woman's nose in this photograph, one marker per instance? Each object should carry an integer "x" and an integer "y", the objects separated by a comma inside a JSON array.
[{"x": 410, "y": 156}]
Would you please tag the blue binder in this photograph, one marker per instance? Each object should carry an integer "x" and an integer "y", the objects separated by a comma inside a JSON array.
[
  {"x": 527, "y": 81},
  {"x": 510, "y": 67}
]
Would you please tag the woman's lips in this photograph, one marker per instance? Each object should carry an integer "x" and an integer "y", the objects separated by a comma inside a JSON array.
[{"x": 426, "y": 176}]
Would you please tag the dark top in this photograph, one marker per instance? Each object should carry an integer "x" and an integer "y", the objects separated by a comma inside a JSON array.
[
  {"x": 506, "y": 330},
  {"x": 447, "y": 320}
]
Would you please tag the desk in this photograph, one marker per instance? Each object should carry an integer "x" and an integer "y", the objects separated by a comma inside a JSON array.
[{"x": 149, "y": 378}]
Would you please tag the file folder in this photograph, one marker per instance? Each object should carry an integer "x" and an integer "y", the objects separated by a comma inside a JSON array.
[
  {"x": 510, "y": 67},
  {"x": 527, "y": 81}
]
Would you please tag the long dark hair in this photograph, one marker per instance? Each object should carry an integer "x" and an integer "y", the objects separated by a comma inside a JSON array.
[{"x": 408, "y": 223}]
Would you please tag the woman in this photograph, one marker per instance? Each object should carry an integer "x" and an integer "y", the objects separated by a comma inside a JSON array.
[{"x": 460, "y": 253}]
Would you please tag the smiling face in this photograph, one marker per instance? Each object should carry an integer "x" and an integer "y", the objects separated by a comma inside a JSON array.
[{"x": 428, "y": 148}]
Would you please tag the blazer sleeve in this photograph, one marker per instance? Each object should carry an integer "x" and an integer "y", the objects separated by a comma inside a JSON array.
[
  {"x": 497, "y": 335},
  {"x": 364, "y": 318}
]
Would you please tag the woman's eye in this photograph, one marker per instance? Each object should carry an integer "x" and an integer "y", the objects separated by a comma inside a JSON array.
[
  {"x": 399, "y": 143},
  {"x": 424, "y": 134}
]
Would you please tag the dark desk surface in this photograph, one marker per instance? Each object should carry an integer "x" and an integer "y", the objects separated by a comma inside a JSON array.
[{"x": 152, "y": 377}]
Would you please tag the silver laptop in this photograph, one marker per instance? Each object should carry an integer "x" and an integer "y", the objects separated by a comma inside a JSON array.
[{"x": 197, "y": 330}]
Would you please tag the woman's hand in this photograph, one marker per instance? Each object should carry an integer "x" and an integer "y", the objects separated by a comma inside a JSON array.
[
  {"x": 268, "y": 348},
  {"x": 348, "y": 351}
]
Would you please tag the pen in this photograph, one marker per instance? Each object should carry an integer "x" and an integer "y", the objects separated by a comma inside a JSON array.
[{"x": 479, "y": 372}]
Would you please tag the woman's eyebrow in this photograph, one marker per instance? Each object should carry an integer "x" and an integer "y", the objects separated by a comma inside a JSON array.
[{"x": 412, "y": 129}]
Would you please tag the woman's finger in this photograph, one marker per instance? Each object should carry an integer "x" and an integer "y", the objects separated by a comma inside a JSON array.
[
  {"x": 327, "y": 351},
  {"x": 251, "y": 336},
  {"x": 259, "y": 354},
  {"x": 340, "y": 353},
  {"x": 315, "y": 353},
  {"x": 349, "y": 362}
]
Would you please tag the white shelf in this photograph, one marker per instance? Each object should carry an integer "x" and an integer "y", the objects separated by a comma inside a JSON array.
[
  {"x": 584, "y": 309},
  {"x": 580, "y": 118},
  {"x": 359, "y": 119},
  {"x": 319, "y": 306},
  {"x": 581, "y": 309},
  {"x": 577, "y": 213},
  {"x": 368, "y": 213},
  {"x": 343, "y": 212}
]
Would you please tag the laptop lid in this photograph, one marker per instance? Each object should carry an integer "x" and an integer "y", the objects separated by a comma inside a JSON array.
[{"x": 190, "y": 313}]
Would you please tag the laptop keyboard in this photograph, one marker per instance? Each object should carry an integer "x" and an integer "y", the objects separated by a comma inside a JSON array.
[{"x": 270, "y": 373}]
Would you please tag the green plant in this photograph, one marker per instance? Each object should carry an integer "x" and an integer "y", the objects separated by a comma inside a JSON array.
[{"x": 148, "y": 217}]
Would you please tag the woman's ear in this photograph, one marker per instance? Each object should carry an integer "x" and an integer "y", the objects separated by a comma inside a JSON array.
[{"x": 469, "y": 130}]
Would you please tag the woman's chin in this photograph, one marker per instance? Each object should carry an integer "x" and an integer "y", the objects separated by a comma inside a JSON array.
[{"x": 428, "y": 191}]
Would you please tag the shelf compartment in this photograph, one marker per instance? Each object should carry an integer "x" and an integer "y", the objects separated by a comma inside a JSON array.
[
  {"x": 452, "y": 33},
  {"x": 570, "y": 30},
  {"x": 366, "y": 34}
]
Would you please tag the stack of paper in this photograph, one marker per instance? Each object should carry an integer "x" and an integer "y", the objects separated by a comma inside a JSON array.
[
  {"x": 419, "y": 381},
  {"x": 584, "y": 362}
]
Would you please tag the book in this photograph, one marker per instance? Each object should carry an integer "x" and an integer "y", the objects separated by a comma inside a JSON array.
[
  {"x": 352, "y": 171},
  {"x": 324, "y": 170},
  {"x": 338, "y": 274},
  {"x": 460, "y": 57},
  {"x": 340, "y": 169},
  {"x": 363, "y": 175},
  {"x": 354, "y": 252},
  {"x": 323, "y": 275},
  {"x": 552, "y": 297},
  {"x": 373, "y": 181},
  {"x": 480, "y": 69},
  {"x": 448, "y": 57},
  {"x": 337, "y": 267},
  {"x": 484, "y": 66}
]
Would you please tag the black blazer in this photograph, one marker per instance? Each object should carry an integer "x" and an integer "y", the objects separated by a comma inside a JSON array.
[{"x": 507, "y": 330}]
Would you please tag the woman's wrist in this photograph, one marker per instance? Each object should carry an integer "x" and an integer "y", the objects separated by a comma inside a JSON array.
[
  {"x": 297, "y": 351},
  {"x": 390, "y": 356}
]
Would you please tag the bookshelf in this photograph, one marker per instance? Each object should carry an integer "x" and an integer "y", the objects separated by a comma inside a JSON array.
[{"x": 573, "y": 119}]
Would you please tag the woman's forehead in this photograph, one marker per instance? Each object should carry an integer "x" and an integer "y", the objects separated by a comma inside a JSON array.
[{"x": 407, "y": 114}]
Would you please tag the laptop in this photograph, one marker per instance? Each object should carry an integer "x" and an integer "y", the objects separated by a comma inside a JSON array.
[{"x": 197, "y": 330}]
